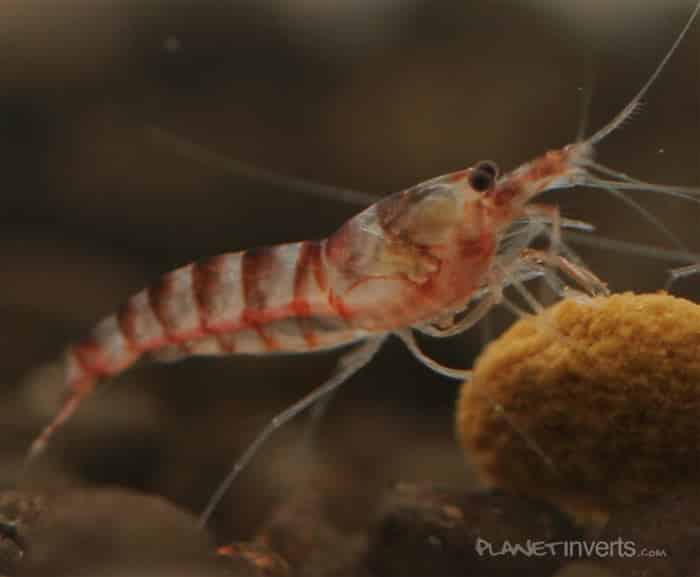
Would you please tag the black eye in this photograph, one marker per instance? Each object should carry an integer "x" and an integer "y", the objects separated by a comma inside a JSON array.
[
  {"x": 483, "y": 176},
  {"x": 489, "y": 166}
]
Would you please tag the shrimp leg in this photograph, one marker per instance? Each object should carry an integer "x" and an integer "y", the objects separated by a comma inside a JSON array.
[
  {"x": 492, "y": 298},
  {"x": 466, "y": 375},
  {"x": 585, "y": 278},
  {"x": 676, "y": 274},
  {"x": 410, "y": 341},
  {"x": 347, "y": 366},
  {"x": 530, "y": 261},
  {"x": 557, "y": 246},
  {"x": 552, "y": 213}
]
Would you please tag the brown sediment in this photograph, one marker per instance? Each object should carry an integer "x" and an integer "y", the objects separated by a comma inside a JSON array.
[{"x": 608, "y": 389}]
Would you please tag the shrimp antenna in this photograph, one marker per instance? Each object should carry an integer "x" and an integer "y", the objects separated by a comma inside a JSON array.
[
  {"x": 586, "y": 96},
  {"x": 206, "y": 157},
  {"x": 633, "y": 104}
]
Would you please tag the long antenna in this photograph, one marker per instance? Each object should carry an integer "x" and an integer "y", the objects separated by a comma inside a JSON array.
[
  {"x": 207, "y": 157},
  {"x": 633, "y": 104},
  {"x": 586, "y": 96}
]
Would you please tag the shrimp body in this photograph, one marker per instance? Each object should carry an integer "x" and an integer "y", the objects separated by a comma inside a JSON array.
[
  {"x": 371, "y": 276},
  {"x": 403, "y": 261},
  {"x": 410, "y": 259}
]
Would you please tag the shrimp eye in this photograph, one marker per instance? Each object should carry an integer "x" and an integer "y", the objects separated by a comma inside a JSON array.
[{"x": 483, "y": 176}]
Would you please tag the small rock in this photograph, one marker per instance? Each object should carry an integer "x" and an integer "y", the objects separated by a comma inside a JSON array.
[
  {"x": 424, "y": 530},
  {"x": 98, "y": 533}
]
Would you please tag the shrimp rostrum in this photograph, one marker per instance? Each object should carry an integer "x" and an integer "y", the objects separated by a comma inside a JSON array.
[{"x": 413, "y": 261}]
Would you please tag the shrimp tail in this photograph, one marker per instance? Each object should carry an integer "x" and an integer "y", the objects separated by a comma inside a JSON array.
[
  {"x": 69, "y": 405},
  {"x": 77, "y": 373}
]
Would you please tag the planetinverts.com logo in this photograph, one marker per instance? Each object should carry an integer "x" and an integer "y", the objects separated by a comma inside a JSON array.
[{"x": 569, "y": 549}]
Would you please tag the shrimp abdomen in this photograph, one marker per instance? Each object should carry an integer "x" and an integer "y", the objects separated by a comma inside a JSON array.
[{"x": 272, "y": 299}]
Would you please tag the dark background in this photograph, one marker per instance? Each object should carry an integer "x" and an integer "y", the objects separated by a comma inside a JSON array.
[{"x": 373, "y": 96}]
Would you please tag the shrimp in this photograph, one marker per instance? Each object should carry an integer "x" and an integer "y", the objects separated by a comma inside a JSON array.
[{"x": 413, "y": 261}]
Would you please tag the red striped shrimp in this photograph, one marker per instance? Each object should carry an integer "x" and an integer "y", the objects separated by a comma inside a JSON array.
[{"x": 415, "y": 260}]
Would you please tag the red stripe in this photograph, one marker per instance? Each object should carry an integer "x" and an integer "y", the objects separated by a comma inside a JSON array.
[
  {"x": 271, "y": 344},
  {"x": 255, "y": 264},
  {"x": 317, "y": 265},
  {"x": 308, "y": 262},
  {"x": 226, "y": 345},
  {"x": 335, "y": 247},
  {"x": 88, "y": 357},
  {"x": 338, "y": 305},
  {"x": 125, "y": 321},
  {"x": 302, "y": 310},
  {"x": 310, "y": 337},
  {"x": 158, "y": 295},
  {"x": 205, "y": 277},
  {"x": 301, "y": 268}
]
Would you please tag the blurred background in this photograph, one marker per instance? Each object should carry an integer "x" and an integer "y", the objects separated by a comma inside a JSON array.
[{"x": 372, "y": 95}]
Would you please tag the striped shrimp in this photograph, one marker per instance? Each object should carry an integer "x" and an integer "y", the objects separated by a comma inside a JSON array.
[{"x": 413, "y": 261}]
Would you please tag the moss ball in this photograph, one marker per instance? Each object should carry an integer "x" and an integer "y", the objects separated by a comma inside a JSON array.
[{"x": 607, "y": 388}]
